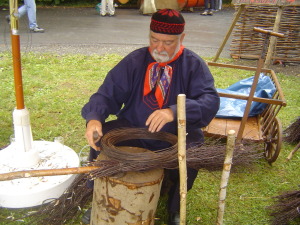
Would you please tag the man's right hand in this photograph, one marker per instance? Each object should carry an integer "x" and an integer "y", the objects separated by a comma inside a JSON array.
[{"x": 93, "y": 133}]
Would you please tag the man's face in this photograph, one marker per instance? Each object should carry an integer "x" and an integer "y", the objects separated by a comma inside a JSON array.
[{"x": 163, "y": 47}]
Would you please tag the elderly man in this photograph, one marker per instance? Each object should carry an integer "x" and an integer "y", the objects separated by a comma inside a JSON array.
[{"x": 142, "y": 89}]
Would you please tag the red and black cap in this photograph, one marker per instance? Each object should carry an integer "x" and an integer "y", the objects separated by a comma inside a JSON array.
[{"x": 167, "y": 21}]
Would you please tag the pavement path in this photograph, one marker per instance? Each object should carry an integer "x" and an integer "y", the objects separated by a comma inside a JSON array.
[{"x": 84, "y": 31}]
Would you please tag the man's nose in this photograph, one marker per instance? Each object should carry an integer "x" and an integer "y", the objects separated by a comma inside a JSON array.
[{"x": 160, "y": 47}]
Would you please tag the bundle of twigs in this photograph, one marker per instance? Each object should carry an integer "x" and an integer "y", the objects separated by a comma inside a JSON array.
[
  {"x": 208, "y": 156},
  {"x": 58, "y": 211},
  {"x": 286, "y": 209},
  {"x": 292, "y": 132}
]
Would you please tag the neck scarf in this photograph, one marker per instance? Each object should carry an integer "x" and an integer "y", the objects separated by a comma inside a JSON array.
[{"x": 161, "y": 82}]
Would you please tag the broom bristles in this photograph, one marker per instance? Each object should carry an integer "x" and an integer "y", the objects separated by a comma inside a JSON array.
[
  {"x": 208, "y": 156},
  {"x": 293, "y": 132},
  {"x": 286, "y": 208}
]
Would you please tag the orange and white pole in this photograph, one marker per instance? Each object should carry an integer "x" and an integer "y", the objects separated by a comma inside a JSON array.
[
  {"x": 23, "y": 140},
  {"x": 16, "y": 53}
]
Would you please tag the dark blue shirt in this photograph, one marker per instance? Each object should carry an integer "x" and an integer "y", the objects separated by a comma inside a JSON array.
[{"x": 121, "y": 93}]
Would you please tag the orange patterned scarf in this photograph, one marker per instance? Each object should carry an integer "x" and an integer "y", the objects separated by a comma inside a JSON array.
[{"x": 161, "y": 82}]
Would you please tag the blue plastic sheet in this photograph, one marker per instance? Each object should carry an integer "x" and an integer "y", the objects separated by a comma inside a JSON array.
[{"x": 230, "y": 107}]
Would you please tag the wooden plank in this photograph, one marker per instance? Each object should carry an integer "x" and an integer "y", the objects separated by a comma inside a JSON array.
[
  {"x": 255, "y": 99},
  {"x": 220, "y": 127}
]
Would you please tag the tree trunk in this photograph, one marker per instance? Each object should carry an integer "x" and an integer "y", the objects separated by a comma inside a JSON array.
[{"x": 127, "y": 198}]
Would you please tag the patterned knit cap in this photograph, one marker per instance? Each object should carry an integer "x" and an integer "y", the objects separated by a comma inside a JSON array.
[{"x": 167, "y": 21}]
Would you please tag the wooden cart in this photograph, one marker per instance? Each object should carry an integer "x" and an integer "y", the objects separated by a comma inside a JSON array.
[{"x": 265, "y": 127}]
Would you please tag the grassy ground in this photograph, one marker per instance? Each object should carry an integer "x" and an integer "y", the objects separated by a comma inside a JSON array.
[{"x": 57, "y": 86}]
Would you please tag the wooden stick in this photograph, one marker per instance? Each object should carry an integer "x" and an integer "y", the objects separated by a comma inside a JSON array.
[
  {"x": 225, "y": 175},
  {"x": 255, "y": 81},
  {"x": 237, "y": 15},
  {"x": 293, "y": 152},
  {"x": 182, "y": 155},
  {"x": 46, "y": 172},
  {"x": 273, "y": 42}
]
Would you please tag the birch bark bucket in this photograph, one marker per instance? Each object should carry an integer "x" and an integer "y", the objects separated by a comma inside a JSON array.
[{"x": 129, "y": 198}]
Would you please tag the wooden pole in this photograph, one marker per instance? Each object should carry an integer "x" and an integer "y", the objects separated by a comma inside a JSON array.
[
  {"x": 16, "y": 54},
  {"x": 256, "y": 77},
  {"x": 225, "y": 175},
  {"x": 46, "y": 172},
  {"x": 273, "y": 39},
  {"x": 237, "y": 15},
  {"x": 182, "y": 155}
]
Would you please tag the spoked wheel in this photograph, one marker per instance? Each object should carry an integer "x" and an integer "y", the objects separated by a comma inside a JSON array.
[{"x": 273, "y": 141}]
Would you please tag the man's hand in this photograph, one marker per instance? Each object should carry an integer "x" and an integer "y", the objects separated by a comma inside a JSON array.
[
  {"x": 93, "y": 133},
  {"x": 158, "y": 119}
]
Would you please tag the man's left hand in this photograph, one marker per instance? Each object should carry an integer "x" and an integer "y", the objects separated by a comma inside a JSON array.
[{"x": 158, "y": 119}]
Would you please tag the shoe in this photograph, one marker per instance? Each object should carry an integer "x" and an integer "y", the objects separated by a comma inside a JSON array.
[
  {"x": 174, "y": 218},
  {"x": 205, "y": 13},
  {"x": 7, "y": 19},
  {"x": 37, "y": 30},
  {"x": 86, "y": 219},
  {"x": 210, "y": 13},
  {"x": 111, "y": 15}
]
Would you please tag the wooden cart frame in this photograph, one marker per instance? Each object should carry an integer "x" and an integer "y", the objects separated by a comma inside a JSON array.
[{"x": 265, "y": 127}]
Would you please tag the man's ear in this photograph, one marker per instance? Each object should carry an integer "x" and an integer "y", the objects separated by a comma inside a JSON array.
[{"x": 182, "y": 37}]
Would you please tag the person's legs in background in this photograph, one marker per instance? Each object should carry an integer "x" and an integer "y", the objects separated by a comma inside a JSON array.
[
  {"x": 209, "y": 7},
  {"x": 206, "y": 9},
  {"x": 110, "y": 7},
  {"x": 31, "y": 13},
  {"x": 22, "y": 11},
  {"x": 29, "y": 7},
  {"x": 103, "y": 7},
  {"x": 212, "y": 7}
]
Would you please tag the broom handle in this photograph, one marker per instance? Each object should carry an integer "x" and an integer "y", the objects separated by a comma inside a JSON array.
[
  {"x": 271, "y": 33},
  {"x": 46, "y": 172},
  {"x": 293, "y": 152},
  {"x": 182, "y": 155}
]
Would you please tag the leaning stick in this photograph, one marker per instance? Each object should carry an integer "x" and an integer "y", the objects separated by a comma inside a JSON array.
[
  {"x": 46, "y": 172},
  {"x": 182, "y": 155},
  {"x": 293, "y": 152},
  {"x": 225, "y": 175}
]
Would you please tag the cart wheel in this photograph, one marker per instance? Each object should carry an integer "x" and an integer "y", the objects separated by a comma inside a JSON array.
[{"x": 273, "y": 141}]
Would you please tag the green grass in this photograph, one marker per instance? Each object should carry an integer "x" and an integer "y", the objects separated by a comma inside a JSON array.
[
  {"x": 57, "y": 86},
  {"x": 55, "y": 89}
]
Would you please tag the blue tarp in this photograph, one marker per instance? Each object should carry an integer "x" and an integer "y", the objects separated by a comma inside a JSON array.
[{"x": 231, "y": 107}]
